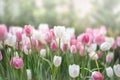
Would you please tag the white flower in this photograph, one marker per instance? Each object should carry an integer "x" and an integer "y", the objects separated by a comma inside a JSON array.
[
  {"x": 93, "y": 55},
  {"x": 74, "y": 70},
  {"x": 11, "y": 40},
  {"x": 43, "y": 27},
  {"x": 109, "y": 72},
  {"x": 57, "y": 60},
  {"x": 26, "y": 50},
  {"x": 110, "y": 40},
  {"x": 70, "y": 31},
  {"x": 117, "y": 70},
  {"x": 59, "y": 31},
  {"x": 29, "y": 75},
  {"x": 65, "y": 38},
  {"x": 43, "y": 52},
  {"x": 92, "y": 47},
  {"x": 105, "y": 46}
]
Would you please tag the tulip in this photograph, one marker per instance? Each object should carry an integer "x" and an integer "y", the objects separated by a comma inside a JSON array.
[
  {"x": 64, "y": 47},
  {"x": 99, "y": 39},
  {"x": 28, "y": 29},
  {"x": 16, "y": 62},
  {"x": 53, "y": 45},
  {"x": 73, "y": 49},
  {"x": 92, "y": 47},
  {"x": 105, "y": 46},
  {"x": 93, "y": 55},
  {"x": 43, "y": 52},
  {"x": 99, "y": 53},
  {"x": 0, "y": 55},
  {"x": 59, "y": 31},
  {"x": 97, "y": 76},
  {"x": 103, "y": 30},
  {"x": 74, "y": 70},
  {"x": 29, "y": 74},
  {"x": 19, "y": 36},
  {"x": 109, "y": 72},
  {"x": 118, "y": 41},
  {"x": 10, "y": 40},
  {"x": 3, "y": 32},
  {"x": 57, "y": 61},
  {"x": 117, "y": 70},
  {"x": 109, "y": 57}
]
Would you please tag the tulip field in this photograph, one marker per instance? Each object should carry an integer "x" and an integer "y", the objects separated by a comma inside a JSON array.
[{"x": 43, "y": 53}]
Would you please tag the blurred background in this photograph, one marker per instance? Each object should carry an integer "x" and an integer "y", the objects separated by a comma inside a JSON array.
[{"x": 79, "y": 14}]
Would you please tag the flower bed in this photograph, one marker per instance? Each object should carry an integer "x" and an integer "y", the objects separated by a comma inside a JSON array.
[{"x": 57, "y": 54}]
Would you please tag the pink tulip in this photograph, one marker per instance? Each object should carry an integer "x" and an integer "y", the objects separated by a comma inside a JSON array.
[
  {"x": 49, "y": 35},
  {"x": 103, "y": 30},
  {"x": 16, "y": 62},
  {"x": 109, "y": 57},
  {"x": 85, "y": 38},
  {"x": 114, "y": 46},
  {"x": 118, "y": 40},
  {"x": 81, "y": 51},
  {"x": 28, "y": 29},
  {"x": 19, "y": 36},
  {"x": 53, "y": 45},
  {"x": 64, "y": 47},
  {"x": 0, "y": 55},
  {"x": 99, "y": 39},
  {"x": 99, "y": 53},
  {"x": 73, "y": 49},
  {"x": 97, "y": 76},
  {"x": 73, "y": 42},
  {"x": 3, "y": 32}
]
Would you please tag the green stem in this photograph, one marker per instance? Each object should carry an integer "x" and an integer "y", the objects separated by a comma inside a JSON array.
[{"x": 97, "y": 65}]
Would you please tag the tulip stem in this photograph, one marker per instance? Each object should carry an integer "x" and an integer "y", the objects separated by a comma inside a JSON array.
[{"x": 97, "y": 65}]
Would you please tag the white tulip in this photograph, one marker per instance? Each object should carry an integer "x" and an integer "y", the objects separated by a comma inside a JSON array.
[
  {"x": 11, "y": 40},
  {"x": 43, "y": 27},
  {"x": 92, "y": 47},
  {"x": 93, "y": 55},
  {"x": 70, "y": 31},
  {"x": 57, "y": 60},
  {"x": 65, "y": 38},
  {"x": 110, "y": 40},
  {"x": 117, "y": 70},
  {"x": 59, "y": 31},
  {"x": 74, "y": 70},
  {"x": 109, "y": 72},
  {"x": 26, "y": 51},
  {"x": 105, "y": 46},
  {"x": 43, "y": 52},
  {"x": 29, "y": 74}
]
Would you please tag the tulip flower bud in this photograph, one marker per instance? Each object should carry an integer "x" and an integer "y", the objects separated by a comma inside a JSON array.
[
  {"x": 43, "y": 52},
  {"x": 57, "y": 60},
  {"x": 74, "y": 70},
  {"x": 97, "y": 76},
  {"x": 3, "y": 32},
  {"x": 109, "y": 72},
  {"x": 117, "y": 70},
  {"x": 29, "y": 74}
]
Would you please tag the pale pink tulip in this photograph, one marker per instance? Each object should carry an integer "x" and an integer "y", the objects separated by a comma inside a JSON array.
[
  {"x": 19, "y": 36},
  {"x": 97, "y": 76},
  {"x": 28, "y": 29},
  {"x": 3, "y": 32},
  {"x": 16, "y": 62},
  {"x": 73, "y": 49},
  {"x": 99, "y": 39}
]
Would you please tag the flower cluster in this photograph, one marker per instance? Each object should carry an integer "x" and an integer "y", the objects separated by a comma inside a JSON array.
[{"x": 57, "y": 53}]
